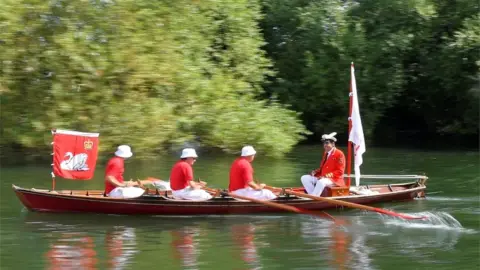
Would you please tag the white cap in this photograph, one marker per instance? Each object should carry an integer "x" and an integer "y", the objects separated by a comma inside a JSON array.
[
  {"x": 188, "y": 152},
  {"x": 329, "y": 137},
  {"x": 124, "y": 151},
  {"x": 248, "y": 151}
]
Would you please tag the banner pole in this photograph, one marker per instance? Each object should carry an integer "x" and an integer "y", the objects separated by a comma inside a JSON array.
[
  {"x": 349, "y": 143},
  {"x": 53, "y": 181},
  {"x": 53, "y": 153}
]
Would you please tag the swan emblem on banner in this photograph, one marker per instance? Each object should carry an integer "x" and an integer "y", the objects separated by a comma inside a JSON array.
[{"x": 75, "y": 163}]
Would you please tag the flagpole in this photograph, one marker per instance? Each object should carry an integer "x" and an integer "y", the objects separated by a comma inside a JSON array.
[
  {"x": 53, "y": 181},
  {"x": 53, "y": 175},
  {"x": 349, "y": 149}
]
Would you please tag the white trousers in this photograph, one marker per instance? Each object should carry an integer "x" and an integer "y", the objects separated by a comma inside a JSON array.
[
  {"x": 162, "y": 185},
  {"x": 126, "y": 192},
  {"x": 315, "y": 186},
  {"x": 263, "y": 194},
  {"x": 191, "y": 194}
]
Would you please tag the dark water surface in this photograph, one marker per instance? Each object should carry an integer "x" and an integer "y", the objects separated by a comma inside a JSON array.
[{"x": 449, "y": 239}]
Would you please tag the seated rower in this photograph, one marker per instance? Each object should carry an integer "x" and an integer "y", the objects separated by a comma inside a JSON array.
[
  {"x": 181, "y": 178},
  {"x": 115, "y": 187},
  {"x": 241, "y": 177},
  {"x": 331, "y": 168}
]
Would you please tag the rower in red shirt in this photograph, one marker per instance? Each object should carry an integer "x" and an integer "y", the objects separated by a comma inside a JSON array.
[
  {"x": 241, "y": 177},
  {"x": 332, "y": 168},
  {"x": 115, "y": 187},
  {"x": 181, "y": 178}
]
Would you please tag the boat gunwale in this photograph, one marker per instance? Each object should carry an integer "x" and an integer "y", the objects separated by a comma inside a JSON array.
[{"x": 151, "y": 199}]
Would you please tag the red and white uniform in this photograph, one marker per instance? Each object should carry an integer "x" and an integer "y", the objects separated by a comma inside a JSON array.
[
  {"x": 241, "y": 174},
  {"x": 332, "y": 168},
  {"x": 116, "y": 167},
  {"x": 180, "y": 177}
]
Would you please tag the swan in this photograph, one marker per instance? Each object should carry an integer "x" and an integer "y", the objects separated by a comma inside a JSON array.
[{"x": 75, "y": 163}]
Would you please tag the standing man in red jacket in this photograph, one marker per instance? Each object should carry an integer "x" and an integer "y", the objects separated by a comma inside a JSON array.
[{"x": 331, "y": 168}]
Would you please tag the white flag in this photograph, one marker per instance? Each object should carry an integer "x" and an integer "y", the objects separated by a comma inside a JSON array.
[{"x": 356, "y": 133}]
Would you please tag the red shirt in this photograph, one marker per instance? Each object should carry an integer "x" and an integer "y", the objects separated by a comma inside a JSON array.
[
  {"x": 181, "y": 174},
  {"x": 115, "y": 167},
  {"x": 241, "y": 173}
]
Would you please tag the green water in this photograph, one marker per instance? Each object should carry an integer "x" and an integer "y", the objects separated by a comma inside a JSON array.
[{"x": 449, "y": 239}]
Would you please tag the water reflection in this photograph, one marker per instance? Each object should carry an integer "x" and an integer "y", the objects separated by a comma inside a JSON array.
[
  {"x": 331, "y": 240},
  {"x": 120, "y": 243},
  {"x": 339, "y": 244},
  {"x": 361, "y": 252},
  {"x": 185, "y": 246},
  {"x": 77, "y": 250},
  {"x": 243, "y": 236},
  {"x": 248, "y": 242},
  {"x": 75, "y": 242},
  {"x": 72, "y": 251}
]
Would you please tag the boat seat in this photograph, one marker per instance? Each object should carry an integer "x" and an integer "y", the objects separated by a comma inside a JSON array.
[{"x": 335, "y": 191}]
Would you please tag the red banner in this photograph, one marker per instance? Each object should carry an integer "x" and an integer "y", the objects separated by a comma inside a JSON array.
[{"x": 74, "y": 154}]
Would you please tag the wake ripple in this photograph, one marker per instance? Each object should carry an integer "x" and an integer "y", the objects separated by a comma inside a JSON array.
[
  {"x": 440, "y": 198},
  {"x": 433, "y": 220}
]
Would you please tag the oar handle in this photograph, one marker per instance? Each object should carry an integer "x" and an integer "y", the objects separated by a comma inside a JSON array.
[
  {"x": 279, "y": 205},
  {"x": 140, "y": 185},
  {"x": 212, "y": 191}
]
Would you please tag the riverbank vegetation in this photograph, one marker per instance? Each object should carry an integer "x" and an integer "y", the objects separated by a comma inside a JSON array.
[{"x": 220, "y": 74}]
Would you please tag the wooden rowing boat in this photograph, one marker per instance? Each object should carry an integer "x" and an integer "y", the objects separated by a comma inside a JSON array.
[{"x": 156, "y": 202}]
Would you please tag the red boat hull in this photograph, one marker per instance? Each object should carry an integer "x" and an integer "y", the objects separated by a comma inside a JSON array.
[{"x": 46, "y": 201}]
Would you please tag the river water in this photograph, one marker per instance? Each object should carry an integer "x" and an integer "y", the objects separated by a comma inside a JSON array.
[{"x": 448, "y": 239}]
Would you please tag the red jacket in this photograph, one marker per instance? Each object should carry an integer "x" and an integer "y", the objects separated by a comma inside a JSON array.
[{"x": 333, "y": 168}]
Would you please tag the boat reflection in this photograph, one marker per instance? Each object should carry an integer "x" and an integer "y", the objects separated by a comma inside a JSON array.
[
  {"x": 341, "y": 243},
  {"x": 248, "y": 242},
  {"x": 74, "y": 250},
  {"x": 75, "y": 242}
]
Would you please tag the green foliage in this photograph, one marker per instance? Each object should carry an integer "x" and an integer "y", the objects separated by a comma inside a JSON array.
[
  {"x": 163, "y": 74},
  {"x": 150, "y": 74},
  {"x": 415, "y": 63}
]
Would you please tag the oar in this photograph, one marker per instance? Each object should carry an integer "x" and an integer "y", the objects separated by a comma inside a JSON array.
[
  {"x": 350, "y": 204},
  {"x": 280, "y": 206},
  {"x": 269, "y": 203},
  {"x": 212, "y": 191}
]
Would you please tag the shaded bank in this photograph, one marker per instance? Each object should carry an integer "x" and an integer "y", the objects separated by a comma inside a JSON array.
[
  {"x": 17, "y": 156},
  {"x": 416, "y": 66}
]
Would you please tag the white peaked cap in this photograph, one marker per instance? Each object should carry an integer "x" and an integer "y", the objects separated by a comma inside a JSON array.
[
  {"x": 330, "y": 136},
  {"x": 124, "y": 151},
  {"x": 248, "y": 151},
  {"x": 188, "y": 152}
]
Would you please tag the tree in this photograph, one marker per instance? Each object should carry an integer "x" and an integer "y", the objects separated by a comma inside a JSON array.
[{"x": 153, "y": 75}]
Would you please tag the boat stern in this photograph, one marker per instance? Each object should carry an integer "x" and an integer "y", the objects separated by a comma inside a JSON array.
[{"x": 421, "y": 182}]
